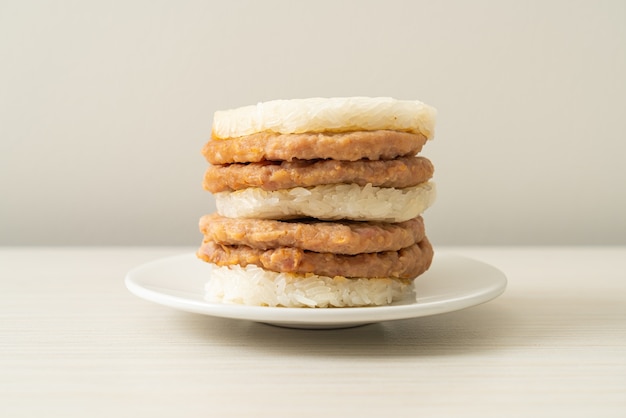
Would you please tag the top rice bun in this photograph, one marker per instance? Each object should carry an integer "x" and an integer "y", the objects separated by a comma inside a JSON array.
[{"x": 326, "y": 115}]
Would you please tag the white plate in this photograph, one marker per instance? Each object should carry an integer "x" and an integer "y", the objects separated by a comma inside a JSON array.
[{"x": 451, "y": 283}]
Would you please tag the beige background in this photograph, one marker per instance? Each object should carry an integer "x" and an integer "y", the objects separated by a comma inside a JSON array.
[{"x": 104, "y": 107}]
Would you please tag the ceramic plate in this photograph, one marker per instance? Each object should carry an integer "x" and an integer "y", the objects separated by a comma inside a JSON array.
[{"x": 452, "y": 283}]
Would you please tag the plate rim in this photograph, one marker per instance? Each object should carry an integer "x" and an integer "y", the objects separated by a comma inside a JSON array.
[{"x": 320, "y": 317}]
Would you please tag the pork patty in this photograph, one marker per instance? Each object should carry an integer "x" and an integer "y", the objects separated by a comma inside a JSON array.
[
  {"x": 406, "y": 263},
  {"x": 400, "y": 172},
  {"x": 342, "y": 237},
  {"x": 346, "y": 146}
]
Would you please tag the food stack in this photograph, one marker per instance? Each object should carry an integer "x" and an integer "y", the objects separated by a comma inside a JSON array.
[{"x": 319, "y": 202}]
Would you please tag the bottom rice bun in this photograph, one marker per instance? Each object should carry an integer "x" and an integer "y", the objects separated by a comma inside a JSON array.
[
  {"x": 252, "y": 285},
  {"x": 319, "y": 202}
]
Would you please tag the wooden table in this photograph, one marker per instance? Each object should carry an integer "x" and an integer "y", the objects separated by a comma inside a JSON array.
[{"x": 75, "y": 343}]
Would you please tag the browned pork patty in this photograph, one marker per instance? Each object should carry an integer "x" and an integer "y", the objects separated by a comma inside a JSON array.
[
  {"x": 400, "y": 172},
  {"x": 346, "y": 146},
  {"x": 406, "y": 263},
  {"x": 342, "y": 237}
]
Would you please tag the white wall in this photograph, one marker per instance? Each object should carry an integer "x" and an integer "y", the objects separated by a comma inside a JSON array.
[{"x": 104, "y": 107}]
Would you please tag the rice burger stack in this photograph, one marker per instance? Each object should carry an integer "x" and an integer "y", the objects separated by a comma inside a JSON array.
[{"x": 319, "y": 202}]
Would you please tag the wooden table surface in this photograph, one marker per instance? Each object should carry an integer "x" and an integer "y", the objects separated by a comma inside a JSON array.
[{"x": 75, "y": 343}]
